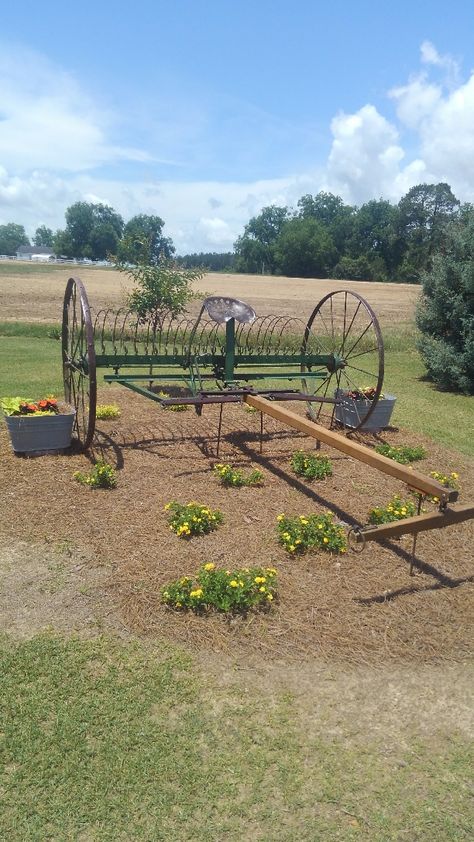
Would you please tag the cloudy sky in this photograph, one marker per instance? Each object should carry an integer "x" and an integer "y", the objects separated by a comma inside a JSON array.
[{"x": 205, "y": 111}]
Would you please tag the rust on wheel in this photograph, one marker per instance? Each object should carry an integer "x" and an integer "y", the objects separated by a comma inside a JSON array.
[
  {"x": 78, "y": 353},
  {"x": 343, "y": 326}
]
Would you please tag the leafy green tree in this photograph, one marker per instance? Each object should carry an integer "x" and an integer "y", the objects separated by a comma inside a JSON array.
[
  {"x": 213, "y": 261},
  {"x": 423, "y": 216},
  {"x": 330, "y": 210},
  {"x": 445, "y": 315},
  {"x": 375, "y": 237},
  {"x": 92, "y": 230},
  {"x": 304, "y": 249},
  {"x": 143, "y": 241},
  {"x": 43, "y": 237},
  {"x": 62, "y": 244},
  {"x": 255, "y": 247},
  {"x": 12, "y": 236},
  {"x": 160, "y": 288}
]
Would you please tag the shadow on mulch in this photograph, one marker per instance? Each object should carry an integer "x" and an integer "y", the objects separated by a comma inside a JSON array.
[{"x": 357, "y": 607}]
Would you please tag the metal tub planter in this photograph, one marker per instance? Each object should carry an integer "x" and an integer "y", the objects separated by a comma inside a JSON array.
[
  {"x": 35, "y": 428},
  {"x": 362, "y": 413}
]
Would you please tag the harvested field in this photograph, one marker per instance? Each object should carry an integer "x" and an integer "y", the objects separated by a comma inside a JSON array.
[
  {"x": 357, "y": 607},
  {"x": 283, "y": 296}
]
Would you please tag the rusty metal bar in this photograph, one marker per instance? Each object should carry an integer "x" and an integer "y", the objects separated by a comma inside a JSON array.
[{"x": 427, "y": 485}]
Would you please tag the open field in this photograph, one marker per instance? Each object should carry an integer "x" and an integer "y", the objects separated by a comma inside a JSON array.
[{"x": 38, "y": 295}]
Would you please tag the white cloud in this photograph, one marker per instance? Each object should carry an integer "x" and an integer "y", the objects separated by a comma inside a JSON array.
[
  {"x": 365, "y": 155},
  {"x": 46, "y": 119}
]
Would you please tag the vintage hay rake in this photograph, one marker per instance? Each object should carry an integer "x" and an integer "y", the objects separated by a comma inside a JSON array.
[{"x": 220, "y": 355}]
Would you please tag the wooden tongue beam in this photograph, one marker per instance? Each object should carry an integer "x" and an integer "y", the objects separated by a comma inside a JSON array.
[
  {"x": 416, "y": 481},
  {"x": 412, "y": 525}
]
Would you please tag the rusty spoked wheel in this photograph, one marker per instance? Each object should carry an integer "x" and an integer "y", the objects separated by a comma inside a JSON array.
[
  {"x": 79, "y": 374},
  {"x": 344, "y": 327}
]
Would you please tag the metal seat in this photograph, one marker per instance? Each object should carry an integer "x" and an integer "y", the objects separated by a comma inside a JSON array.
[{"x": 221, "y": 309}]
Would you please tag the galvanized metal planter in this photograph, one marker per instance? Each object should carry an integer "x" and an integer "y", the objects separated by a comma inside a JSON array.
[
  {"x": 29, "y": 434},
  {"x": 352, "y": 413}
]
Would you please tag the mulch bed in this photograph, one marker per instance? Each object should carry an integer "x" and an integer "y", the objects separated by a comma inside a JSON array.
[{"x": 357, "y": 607}]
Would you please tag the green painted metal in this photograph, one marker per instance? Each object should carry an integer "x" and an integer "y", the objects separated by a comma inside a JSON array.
[{"x": 229, "y": 351}]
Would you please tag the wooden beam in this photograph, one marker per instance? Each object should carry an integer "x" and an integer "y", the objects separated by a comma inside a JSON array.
[
  {"x": 423, "y": 484},
  {"x": 419, "y": 523}
]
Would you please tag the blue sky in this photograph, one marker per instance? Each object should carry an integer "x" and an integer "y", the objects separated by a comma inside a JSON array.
[{"x": 206, "y": 112}]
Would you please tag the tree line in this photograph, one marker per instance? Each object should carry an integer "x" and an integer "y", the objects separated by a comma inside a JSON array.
[
  {"x": 324, "y": 237},
  {"x": 95, "y": 231}
]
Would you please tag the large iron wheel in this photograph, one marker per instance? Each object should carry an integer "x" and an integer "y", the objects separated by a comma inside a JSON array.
[
  {"x": 79, "y": 374},
  {"x": 343, "y": 325}
]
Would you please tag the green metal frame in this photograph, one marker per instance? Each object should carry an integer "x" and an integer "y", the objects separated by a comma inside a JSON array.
[{"x": 222, "y": 368}]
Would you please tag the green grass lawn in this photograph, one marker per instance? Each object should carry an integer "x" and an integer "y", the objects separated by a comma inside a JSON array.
[
  {"x": 103, "y": 741},
  {"x": 30, "y": 367}
]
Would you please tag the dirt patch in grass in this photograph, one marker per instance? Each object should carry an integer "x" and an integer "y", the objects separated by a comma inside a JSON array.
[
  {"x": 53, "y": 584},
  {"x": 361, "y": 608}
]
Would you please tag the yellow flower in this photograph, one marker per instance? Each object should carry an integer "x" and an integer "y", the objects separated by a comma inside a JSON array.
[
  {"x": 259, "y": 579},
  {"x": 325, "y": 540},
  {"x": 241, "y": 584},
  {"x": 196, "y": 594},
  {"x": 209, "y": 566},
  {"x": 262, "y": 589},
  {"x": 271, "y": 570},
  {"x": 320, "y": 526},
  {"x": 291, "y": 548},
  {"x": 233, "y": 583},
  {"x": 269, "y": 597},
  {"x": 167, "y": 507},
  {"x": 280, "y": 517},
  {"x": 455, "y": 475}
]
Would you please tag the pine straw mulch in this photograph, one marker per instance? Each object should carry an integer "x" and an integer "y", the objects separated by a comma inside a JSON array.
[{"x": 357, "y": 607}]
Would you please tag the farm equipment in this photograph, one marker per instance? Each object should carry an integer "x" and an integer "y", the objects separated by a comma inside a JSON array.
[{"x": 226, "y": 353}]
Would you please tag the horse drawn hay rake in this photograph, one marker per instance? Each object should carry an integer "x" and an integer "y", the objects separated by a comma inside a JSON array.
[{"x": 225, "y": 354}]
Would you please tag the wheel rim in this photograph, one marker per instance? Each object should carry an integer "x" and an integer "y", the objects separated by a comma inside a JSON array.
[
  {"x": 343, "y": 324},
  {"x": 79, "y": 374}
]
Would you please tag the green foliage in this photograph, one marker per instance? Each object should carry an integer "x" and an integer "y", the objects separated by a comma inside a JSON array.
[
  {"x": 308, "y": 532},
  {"x": 43, "y": 237},
  {"x": 311, "y": 465},
  {"x": 423, "y": 218},
  {"x": 92, "y": 231},
  {"x": 12, "y": 236},
  {"x": 192, "y": 519},
  {"x": 161, "y": 288},
  {"x": 143, "y": 241},
  {"x": 397, "y": 509},
  {"x": 234, "y": 591},
  {"x": 25, "y": 406},
  {"x": 102, "y": 475},
  {"x": 304, "y": 248},
  {"x": 255, "y": 248},
  {"x": 353, "y": 269},
  {"x": 445, "y": 315},
  {"x": 176, "y": 407},
  {"x": 233, "y": 478},
  {"x": 106, "y": 411},
  {"x": 448, "y": 480},
  {"x": 212, "y": 261},
  {"x": 402, "y": 454}
]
